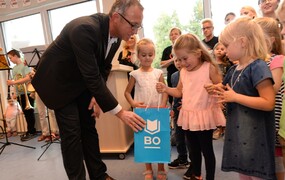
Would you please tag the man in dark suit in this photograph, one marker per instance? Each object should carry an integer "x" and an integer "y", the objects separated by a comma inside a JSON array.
[{"x": 71, "y": 77}]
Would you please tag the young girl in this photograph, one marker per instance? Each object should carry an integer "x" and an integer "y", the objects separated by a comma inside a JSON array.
[
  {"x": 281, "y": 17},
  {"x": 219, "y": 53},
  {"x": 275, "y": 63},
  {"x": 13, "y": 109},
  {"x": 144, "y": 80},
  {"x": 250, "y": 136},
  {"x": 200, "y": 113}
]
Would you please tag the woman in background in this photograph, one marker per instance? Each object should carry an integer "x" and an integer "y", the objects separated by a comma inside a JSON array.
[
  {"x": 128, "y": 54},
  {"x": 167, "y": 60}
]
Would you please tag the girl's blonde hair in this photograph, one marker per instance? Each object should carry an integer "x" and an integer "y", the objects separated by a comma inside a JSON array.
[
  {"x": 251, "y": 9},
  {"x": 126, "y": 47},
  {"x": 144, "y": 41},
  {"x": 244, "y": 27},
  {"x": 192, "y": 44},
  {"x": 271, "y": 29}
]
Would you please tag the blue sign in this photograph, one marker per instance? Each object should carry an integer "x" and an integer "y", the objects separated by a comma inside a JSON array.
[{"x": 152, "y": 144}]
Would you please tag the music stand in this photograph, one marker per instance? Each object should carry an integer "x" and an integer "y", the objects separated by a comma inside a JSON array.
[
  {"x": 32, "y": 57},
  {"x": 33, "y": 54},
  {"x": 4, "y": 64}
]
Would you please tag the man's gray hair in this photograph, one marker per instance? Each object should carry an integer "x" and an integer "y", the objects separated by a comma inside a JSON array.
[{"x": 121, "y": 6}]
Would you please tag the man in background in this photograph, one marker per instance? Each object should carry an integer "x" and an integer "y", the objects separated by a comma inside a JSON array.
[{"x": 208, "y": 32}]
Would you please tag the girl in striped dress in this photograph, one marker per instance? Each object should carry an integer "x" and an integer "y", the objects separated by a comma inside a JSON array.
[{"x": 275, "y": 63}]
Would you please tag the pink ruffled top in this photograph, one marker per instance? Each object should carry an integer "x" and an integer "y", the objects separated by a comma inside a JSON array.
[{"x": 200, "y": 111}]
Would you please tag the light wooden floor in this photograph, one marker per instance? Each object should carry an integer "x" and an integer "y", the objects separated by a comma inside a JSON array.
[{"x": 21, "y": 163}]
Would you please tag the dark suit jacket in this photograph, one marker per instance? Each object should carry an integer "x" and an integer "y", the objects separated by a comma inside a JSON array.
[{"x": 75, "y": 61}]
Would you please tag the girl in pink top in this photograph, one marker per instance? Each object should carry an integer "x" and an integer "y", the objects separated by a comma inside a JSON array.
[{"x": 200, "y": 112}]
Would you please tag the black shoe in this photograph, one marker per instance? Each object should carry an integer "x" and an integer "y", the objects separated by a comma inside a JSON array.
[
  {"x": 178, "y": 164},
  {"x": 188, "y": 174},
  {"x": 28, "y": 136}
]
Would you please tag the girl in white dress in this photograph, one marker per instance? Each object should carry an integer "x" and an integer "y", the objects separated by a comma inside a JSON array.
[{"x": 144, "y": 80}]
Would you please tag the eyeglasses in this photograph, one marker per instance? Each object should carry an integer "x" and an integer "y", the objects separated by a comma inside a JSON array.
[
  {"x": 263, "y": 1},
  {"x": 204, "y": 28},
  {"x": 133, "y": 26}
]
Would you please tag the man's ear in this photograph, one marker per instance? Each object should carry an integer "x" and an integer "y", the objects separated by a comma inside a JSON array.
[{"x": 115, "y": 17}]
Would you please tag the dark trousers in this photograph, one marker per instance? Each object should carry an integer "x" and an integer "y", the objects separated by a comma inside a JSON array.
[
  {"x": 29, "y": 113},
  {"x": 201, "y": 142},
  {"x": 79, "y": 140},
  {"x": 180, "y": 139},
  {"x": 170, "y": 98}
]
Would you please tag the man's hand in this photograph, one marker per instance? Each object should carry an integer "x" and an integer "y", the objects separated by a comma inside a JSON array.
[
  {"x": 131, "y": 119},
  {"x": 96, "y": 108}
]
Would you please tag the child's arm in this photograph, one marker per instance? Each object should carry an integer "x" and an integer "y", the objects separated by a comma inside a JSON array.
[
  {"x": 216, "y": 78},
  {"x": 175, "y": 92},
  {"x": 164, "y": 95},
  {"x": 128, "y": 95},
  {"x": 277, "y": 77},
  {"x": 215, "y": 74},
  {"x": 25, "y": 79},
  {"x": 264, "y": 102}
]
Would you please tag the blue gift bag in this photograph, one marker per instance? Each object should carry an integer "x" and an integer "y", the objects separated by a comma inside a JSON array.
[{"x": 152, "y": 144}]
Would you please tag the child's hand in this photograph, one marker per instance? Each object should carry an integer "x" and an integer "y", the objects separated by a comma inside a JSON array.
[
  {"x": 227, "y": 95},
  {"x": 210, "y": 88},
  {"x": 10, "y": 82},
  {"x": 138, "y": 104},
  {"x": 160, "y": 87},
  {"x": 179, "y": 107},
  {"x": 172, "y": 114}
]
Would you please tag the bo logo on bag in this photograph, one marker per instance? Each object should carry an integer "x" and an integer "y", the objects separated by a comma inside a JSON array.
[
  {"x": 152, "y": 127},
  {"x": 153, "y": 143}
]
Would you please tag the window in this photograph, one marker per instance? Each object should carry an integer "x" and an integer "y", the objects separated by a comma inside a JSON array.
[
  {"x": 23, "y": 32},
  {"x": 221, "y": 7},
  {"x": 61, "y": 16},
  {"x": 161, "y": 16}
]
